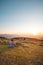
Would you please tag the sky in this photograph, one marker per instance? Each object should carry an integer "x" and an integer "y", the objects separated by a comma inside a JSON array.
[{"x": 21, "y": 16}]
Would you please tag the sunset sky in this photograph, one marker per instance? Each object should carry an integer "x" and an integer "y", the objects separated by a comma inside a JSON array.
[{"x": 21, "y": 16}]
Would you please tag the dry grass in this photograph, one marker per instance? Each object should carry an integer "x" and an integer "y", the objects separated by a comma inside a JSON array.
[{"x": 26, "y": 52}]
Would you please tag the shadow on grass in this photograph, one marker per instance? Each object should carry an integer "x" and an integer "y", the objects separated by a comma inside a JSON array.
[{"x": 5, "y": 49}]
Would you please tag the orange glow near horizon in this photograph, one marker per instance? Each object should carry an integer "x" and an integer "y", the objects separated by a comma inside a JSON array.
[{"x": 33, "y": 33}]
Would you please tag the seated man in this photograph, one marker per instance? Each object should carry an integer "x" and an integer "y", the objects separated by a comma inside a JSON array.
[{"x": 11, "y": 43}]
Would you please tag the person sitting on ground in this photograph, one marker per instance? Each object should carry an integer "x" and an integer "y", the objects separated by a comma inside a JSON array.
[{"x": 11, "y": 43}]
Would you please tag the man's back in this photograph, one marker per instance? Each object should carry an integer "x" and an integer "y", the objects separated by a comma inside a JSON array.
[{"x": 11, "y": 44}]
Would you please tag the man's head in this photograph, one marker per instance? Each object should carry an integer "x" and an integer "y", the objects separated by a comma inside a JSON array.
[{"x": 11, "y": 39}]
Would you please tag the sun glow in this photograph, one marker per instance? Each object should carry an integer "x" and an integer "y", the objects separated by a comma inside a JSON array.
[{"x": 34, "y": 33}]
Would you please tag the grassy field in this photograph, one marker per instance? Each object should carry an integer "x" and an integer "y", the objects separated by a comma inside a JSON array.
[{"x": 26, "y": 52}]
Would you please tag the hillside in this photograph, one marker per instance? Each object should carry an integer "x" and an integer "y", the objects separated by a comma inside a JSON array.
[{"x": 26, "y": 52}]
